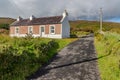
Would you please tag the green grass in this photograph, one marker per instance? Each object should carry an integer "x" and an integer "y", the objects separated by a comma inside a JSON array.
[
  {"x": 63, "y": 42},
  {"x": 20, "y": 57},
  {"x": 109, "y": 66}
]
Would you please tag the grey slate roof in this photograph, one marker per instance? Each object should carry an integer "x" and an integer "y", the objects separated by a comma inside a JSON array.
[{"x": 38, "y": 21}]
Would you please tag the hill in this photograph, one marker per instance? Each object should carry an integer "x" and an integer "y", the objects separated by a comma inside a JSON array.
[
  {"x": 6, "y": 20},
  {"x": 4, "y": 23},
  {"x": 83, "y": 25}
]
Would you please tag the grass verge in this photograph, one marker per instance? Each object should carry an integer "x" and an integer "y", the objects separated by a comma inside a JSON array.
[{"x": 108, "y": 44}]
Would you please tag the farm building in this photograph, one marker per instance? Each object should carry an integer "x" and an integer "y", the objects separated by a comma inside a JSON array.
[{"x": 48, "y": 27}]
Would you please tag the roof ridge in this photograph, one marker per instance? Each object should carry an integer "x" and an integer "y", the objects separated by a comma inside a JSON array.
[
  {"x": 39, "y": 21},
  {"x": 50, "y": 16},
  {"x": 44, "y": 17}
]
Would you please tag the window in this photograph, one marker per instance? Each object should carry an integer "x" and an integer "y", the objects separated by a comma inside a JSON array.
[
  {"x": 42, "y": 29},
  {"x": 17, "y": 30},
  {"x": 30, "y": 30},
  {"x": 52, "y": 29}
]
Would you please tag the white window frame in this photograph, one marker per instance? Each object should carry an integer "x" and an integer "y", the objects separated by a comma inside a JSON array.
[
  {"x": 40, "y": 29},
  {"x": 29, "y": 29},
  {"x": 50, "y": 29},
  {"x": 16, "y": 30}
]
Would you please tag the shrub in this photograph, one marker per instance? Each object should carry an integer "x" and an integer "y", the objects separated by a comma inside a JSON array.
[
  {"x": 23, "y": 57},
  {"x": 4, "y": 26}
]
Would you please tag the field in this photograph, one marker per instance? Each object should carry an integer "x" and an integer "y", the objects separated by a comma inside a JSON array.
[{"x": 82, "y": 25}]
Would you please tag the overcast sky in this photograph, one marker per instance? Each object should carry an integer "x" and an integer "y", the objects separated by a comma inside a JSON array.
[{"x": 77, "y": 9}]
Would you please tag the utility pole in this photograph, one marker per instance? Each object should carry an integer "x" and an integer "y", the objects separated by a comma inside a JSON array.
[{"x": 101, "y": 17}]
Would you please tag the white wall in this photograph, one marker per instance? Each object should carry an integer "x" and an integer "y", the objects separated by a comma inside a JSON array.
[
  {"x": 65, "y": 28},
  {"x": 38, "y": 35}
]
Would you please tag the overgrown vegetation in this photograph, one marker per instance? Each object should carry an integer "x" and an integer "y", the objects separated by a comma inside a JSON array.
[
  {"x": 108, "y": 45},
  {"x": 20, "y": 57}
]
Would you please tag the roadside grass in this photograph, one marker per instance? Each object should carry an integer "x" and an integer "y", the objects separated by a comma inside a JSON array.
[
  {"x": 78, "y": 33},
  {"x": 108, "y": 44},
  {"x": 63, "y": 42},
  {"x": 20, "y": 57}
]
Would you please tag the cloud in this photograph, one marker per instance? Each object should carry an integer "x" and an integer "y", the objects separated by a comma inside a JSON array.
[{"x": 77, "y": 9}]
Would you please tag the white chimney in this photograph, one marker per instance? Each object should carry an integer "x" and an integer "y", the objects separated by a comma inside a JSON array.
[
  {"x": 19, "y": 18},
  {"x": 31, "y": 18},
  {"x": 65, "y": 13}
]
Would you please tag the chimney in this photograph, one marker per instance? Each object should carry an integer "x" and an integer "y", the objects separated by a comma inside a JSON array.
[
  {"x": 31, "y": 18},
  {"x": 19, "y": 18},
  {"x": 65, "y": 13}
]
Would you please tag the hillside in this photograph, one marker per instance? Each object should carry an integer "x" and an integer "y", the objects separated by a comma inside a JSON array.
[
  {"x": 4, "y": 24},
  {"x": 6, "y": 20},
  {"x": 94, "y": 26}
]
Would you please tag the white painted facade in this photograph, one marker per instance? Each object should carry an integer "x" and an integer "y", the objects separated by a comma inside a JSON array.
[
  {"x": 59, "y": 36},
  {"x": 65, "y": 28}
]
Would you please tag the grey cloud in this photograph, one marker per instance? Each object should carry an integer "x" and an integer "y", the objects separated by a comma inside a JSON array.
[{"x": 77, "y": 9}]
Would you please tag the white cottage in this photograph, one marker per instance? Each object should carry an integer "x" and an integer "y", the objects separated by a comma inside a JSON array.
[{"x": 49, "y": 27}]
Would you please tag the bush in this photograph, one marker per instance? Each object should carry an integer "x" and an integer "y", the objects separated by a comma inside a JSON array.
[
  {"x": 23, "y": 57},
  {"x": 4, "y": 26}
]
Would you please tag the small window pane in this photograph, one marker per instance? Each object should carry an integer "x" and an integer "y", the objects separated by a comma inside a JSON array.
[
  {"x": 42, "y": 29},
  {"x": 17, "y": 30},
  {"x": 52, "y": 29},
  {"x": 30, "y": 30}
]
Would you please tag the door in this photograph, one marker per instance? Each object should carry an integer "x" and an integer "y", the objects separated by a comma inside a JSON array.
[{"x": 42, "y": 28}]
